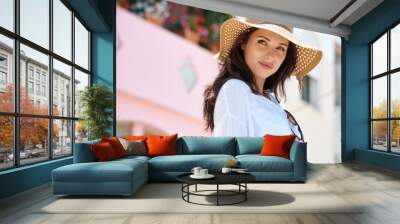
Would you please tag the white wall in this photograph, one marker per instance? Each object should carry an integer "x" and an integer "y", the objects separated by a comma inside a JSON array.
[{"x": 320, "y": 124}]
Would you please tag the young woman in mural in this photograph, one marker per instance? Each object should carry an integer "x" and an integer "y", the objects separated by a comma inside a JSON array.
[{"x": 256, "y": 58}]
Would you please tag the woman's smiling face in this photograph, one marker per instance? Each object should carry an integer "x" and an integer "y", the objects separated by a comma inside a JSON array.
[{"x": 264, "y": 52}]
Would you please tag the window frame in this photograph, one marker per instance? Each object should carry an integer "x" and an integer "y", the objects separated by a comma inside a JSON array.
[
  {"x": 16, "y": 115},
  {"x": 388, "y": 74}
]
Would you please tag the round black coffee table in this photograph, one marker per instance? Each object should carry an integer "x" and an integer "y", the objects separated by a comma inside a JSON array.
[{"x": 239, "y": 179}]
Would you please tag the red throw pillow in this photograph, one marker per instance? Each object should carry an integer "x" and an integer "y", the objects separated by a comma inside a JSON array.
[
  {"x": 116, "y": 145},
  {"x": 103, "y": 151},
  {"x": 277, "y": 145},
  {"x": 161, "y": 145}
]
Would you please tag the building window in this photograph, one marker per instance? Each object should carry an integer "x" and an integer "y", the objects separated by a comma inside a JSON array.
[
  {"x": 3, "y": 61},
  {"x": 30, "y": 72},
  {"x": 35, "y": 54},
  {"x": 30, "y": 87},
  {"x": 43, "y": 90},
  {"x": 305, "y": 94},
  {"x": 385, "y": 94},
  {"x": 310, "y": 90},
  {"x": 3, "y": 71},
  {"x": 37, "y": 75},
  {"x": 38, "y": 89},
  {"x": 3, "y": 78}
]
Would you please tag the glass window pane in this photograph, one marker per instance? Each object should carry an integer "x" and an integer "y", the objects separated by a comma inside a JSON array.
[
  {"x": 62, "y": 89},
  {"x": 6, "y": 142},
  {"x": 81, "y": 81},
  {"x": 379, "y": 55},
  {"x": 379, "y": 98},
  {"x": 6, "y": 74},
  {"x": 81, "y": 131},
  {"x": 395, "y": 47},
  {"x": 33, "y": 139},
  {"x": 395, "y": 135},
  {"x": 34, "y": 97},
  {"x": 34, "y": 16},
  {"x": 62, "y": 138},
  {"x": 395, "y": 94},
  {"x": 379, "y": 135},
  {"x": 7, "y": 14},
  {"x": 81, "y": 45},
  {"x": 62, "y": 29}
]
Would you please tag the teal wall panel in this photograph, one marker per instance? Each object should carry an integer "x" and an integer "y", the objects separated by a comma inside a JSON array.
[
  {"x": 356, "y": 91},
  {"x": 24, "y": 178},
  {"x": 103, "y": 68},
  {"x": 89, "y": 11},
  {"x": 356, "y": 85},
  {"x": 104, "y": 54},
  {"x": 376, "y": 158}
]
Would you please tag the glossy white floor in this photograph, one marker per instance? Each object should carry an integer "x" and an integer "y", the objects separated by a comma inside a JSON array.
[{"x": 377, "y": 188}]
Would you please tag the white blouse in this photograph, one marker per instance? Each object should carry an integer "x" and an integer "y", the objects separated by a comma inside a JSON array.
[{"x": 240, "y": 112}]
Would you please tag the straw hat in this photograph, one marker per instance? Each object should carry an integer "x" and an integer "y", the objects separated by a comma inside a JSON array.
[{"x": 307, "y": 57}]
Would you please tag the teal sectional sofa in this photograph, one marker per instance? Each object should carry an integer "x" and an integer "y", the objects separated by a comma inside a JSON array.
[{"x": 125, "y": 176}]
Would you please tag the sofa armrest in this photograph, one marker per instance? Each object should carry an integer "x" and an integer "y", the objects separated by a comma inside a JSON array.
[
  {"x": 298, "y": 155},
  {"x": 83, "y": 152}
]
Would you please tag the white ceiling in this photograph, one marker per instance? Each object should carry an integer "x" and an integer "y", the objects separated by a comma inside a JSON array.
[{"x": 326, "y": 16}]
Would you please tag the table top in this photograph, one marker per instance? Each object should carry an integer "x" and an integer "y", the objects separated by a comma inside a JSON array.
[{"x": 220, "y": 178}]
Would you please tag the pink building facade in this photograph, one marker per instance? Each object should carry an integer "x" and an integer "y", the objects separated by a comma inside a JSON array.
[{"x": 160, "y": 79}]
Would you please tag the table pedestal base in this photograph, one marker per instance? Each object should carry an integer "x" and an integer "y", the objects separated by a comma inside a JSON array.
[{"x": 241, "y": 191}]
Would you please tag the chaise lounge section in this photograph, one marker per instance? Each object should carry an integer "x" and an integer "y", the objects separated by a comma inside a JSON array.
[{"x": 88, "y": 177}]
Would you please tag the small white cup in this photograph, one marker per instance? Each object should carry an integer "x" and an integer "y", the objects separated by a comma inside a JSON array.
[
  {"x": 196, "y": 170},
  {"x": 203, "y": 172},
  {"x": 226, "y": 170}
]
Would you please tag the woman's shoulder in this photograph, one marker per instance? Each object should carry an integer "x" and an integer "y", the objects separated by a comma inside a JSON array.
[
  {"x": 235, "y": 85},
  {"x": 272, "y": 97}
]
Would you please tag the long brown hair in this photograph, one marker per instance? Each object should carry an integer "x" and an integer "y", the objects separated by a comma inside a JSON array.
[{"x": 235, "y": 67}]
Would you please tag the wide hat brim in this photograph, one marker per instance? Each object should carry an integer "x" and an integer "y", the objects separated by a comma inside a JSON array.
[{"x": 307, "y": 57}]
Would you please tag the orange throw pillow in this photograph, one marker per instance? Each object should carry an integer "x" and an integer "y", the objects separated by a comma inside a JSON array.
[
  {"x": 277, "y": 145},
  {"x": 161, "y": 145},
  {"x": 103, "y": 152},
  {"x": 116, "y": 145}
]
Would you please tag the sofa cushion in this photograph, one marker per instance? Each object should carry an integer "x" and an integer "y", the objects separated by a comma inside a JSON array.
[
  {"x": 249, "y": 145},
  {"x": 185, "y": 163},
  {"x": 196, "y": 145},
  {"x": 116, "y": 145},
  {"x": 257, "y": 163},
  {"x": 161, "y": 145},
  {"x": 103, "y": 151},
  {"x": 277, "y": 145},
  {"x": 111, "y": 171},
  {"x": 134, "y": 147},
  {"x": 83, "y": 152},
  {"x": 133, "y": 158}
]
